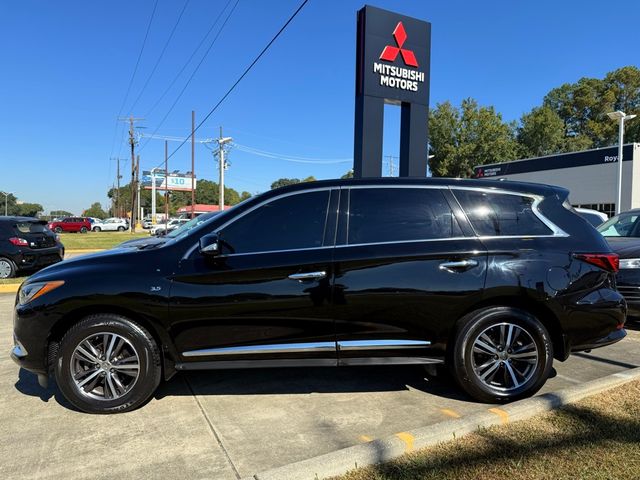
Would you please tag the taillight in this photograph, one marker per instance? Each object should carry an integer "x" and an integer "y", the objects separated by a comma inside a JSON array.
[
  {"x": 606, "y": 261},
  {"x": 20, "y": 242}
]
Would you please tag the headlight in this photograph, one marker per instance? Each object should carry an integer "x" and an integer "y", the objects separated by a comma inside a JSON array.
[
  {"x": 629, "y": 263},
  {"x": 32, "y": 291}
]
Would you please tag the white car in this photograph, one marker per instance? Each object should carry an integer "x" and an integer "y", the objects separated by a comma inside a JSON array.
[
  {"x": 159, "y": 229},
  {"x": 110, "y": 225},
  {"x": 594, "y": 217}
]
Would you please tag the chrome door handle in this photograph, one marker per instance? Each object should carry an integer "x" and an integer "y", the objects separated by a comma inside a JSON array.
[
  {"x": 458, "y": 265},
  {"x": 307, "y": 276}
]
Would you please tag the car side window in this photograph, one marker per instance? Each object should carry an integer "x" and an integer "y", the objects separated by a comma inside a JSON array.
[
  {"x": 291, "y": 222},
  {"x": 399, "y": 214},
  {"x": 500, "y": 214}
]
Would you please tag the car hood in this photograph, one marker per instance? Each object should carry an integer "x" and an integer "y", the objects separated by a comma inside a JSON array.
[
  {"x": 625, "y": 247},
  {"x": 141, "y": 243}
]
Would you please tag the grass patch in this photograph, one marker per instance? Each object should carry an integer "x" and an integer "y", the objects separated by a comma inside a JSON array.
[
  {"x": 97, "y": 240},
  {"x": 597, "y": 438},
  {"x": 11, "y": 281}
]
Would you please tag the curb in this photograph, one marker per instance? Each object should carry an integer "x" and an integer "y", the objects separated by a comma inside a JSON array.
[
  {"x": 10, "y": 288},
  {"x": 85, "y": 250},
  {"x": 340, "y": 462}
]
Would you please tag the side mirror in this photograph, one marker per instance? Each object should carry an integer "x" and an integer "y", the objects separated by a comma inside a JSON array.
[{"x": 210, "y": 245}]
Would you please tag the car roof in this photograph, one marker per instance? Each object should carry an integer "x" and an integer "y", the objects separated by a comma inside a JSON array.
[
  {"x": 20, "y": 219},
  {"x": 508, "y": 185}
]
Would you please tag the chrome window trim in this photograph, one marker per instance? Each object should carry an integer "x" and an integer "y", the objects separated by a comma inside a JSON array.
[
  {"x": 353, "y": 345},
  {"x": 270, "y": 348},
  {"x": 556, "y": 231}
]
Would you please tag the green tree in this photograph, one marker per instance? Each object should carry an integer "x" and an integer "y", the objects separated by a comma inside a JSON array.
[
  {"x": 349, "y": 174},
  {"x": 96, "y": 211},
  {"x": 244, "y": 196},
  {"x": 283, "y": 182},
  {"x": 541, "y": 132},
  {"x": 11, "y": 205},
  {"x": 461, "y": 138},
  {"x": 60, "y": 213},
  {"x": 29, "y": 209}
]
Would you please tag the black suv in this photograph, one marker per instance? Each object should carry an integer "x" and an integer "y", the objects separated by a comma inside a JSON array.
[
  {"x": 494, "y": 279},
  {"x": 26, "y": 244}
]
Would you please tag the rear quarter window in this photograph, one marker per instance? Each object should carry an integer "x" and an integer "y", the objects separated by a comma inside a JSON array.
[{"x": 501, "y": 214}]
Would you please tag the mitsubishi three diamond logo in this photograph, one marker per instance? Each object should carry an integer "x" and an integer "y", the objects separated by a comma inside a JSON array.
[
  {"x": 396, "y": 76},
  {"x": 390, "y": 53}
]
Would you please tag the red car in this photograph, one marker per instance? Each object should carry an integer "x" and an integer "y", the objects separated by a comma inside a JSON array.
[{"x": 71, "y": 224}]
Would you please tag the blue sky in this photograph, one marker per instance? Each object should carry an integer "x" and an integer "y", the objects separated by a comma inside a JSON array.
[{"x": 66, "y": 67}]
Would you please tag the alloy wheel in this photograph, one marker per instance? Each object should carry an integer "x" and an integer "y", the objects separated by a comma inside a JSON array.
[
  {"x": 5, "y": 269},
  {"x": 504, "y": 356},
  {"x": 105, "y": 366}
]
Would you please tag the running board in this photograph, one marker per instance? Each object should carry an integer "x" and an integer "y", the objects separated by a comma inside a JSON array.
[{"x": 306, "y": 362}]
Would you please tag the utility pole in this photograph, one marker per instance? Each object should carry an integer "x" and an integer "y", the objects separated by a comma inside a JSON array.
[
  {"x": 222, "y": 164},
  {"x": 132, "y": 143},
  {"x": 117, "y": 212},
  {"x": 391, "y": 165},
  {"x": 166, "y": 184},
  {"x": 193, "y": 163}
]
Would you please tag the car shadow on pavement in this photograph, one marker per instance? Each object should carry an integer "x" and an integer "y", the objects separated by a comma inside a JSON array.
[
  {"x": 274, "y": 381},
  {"x": 27, "y": 384}
]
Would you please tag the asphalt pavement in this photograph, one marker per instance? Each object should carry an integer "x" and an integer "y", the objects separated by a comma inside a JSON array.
[{"x": 232, "y": 424}]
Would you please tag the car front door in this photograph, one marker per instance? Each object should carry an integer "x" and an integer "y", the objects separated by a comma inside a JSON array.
[
  {"x": 267, "y": 294},
  {"x": 407, "y": 266}
]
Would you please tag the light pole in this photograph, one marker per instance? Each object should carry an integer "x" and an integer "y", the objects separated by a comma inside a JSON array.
[
  {"x": 620, "y": 117},
  {"x": 6, "y": 202}
]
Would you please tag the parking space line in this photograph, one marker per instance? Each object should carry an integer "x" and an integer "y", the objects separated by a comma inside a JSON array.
[
  {"x": 450, "y": 413},
  {"x": 365, "y": 438},
  {"x": 504, "y": 416},
  {"x": 408, "y": 440},
  {"x": 213, "y": 429},
  {"x": 568, "y": 379}
]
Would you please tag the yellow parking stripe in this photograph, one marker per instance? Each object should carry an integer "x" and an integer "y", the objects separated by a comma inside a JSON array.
[
  {"x": 408, "y": 440},
  {"x": 504, "y": 416},
  {"x": 450, "y": 413},
  {"x": 10, "y": 288}
]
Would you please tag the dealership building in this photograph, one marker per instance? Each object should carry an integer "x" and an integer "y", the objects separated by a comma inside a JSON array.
[{"x": 591, "y": 175}]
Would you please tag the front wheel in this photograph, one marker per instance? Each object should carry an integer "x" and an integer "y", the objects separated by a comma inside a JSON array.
[
  {"x": 58, "y": 229},
  {"x": 501, "y": 354},
  {"x": 83, "y": 230},
  {"x": 107, "y": 364}
]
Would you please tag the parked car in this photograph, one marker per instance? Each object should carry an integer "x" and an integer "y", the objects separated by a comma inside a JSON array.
[
  {"x": 110, "y": 225},
  {"x": 623, "y": 234},
  {"x": 162, "y": 229},
  {"x": 71, "y": 224},
  {"x": 594, "y": 217},
  {"x": 26, "y": 244},
  {"x": 493, "y": 279},
  {"x": 156, "y": 241}
]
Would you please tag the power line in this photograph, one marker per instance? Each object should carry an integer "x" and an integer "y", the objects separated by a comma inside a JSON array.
[
  {"x": 291, "y": 158},
  {"x": 193, "y": 54},
  {"x": 194, "y": 73},
  {"x": 246, "y": 71},
  {"x": 153, "y": 70},
  {"x": 135, "y": 70}
]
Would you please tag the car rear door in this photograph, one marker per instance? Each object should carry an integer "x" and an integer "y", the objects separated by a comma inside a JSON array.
[
  {"x": 407, "y": 266},
  {"x": 267, "y": 295}
]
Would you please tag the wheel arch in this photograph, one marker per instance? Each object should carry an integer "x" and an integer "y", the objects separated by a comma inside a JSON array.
[
  {"x": 159, "y": 334},
  {"x": 542, "y": 312}
]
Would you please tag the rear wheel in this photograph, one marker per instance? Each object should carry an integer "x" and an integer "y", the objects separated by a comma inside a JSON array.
[
  {"x": 121, "y": 229},
  {"x": 501, "y": 354},
  {"x": 96, "y": 229},
  {"x": 108, "y": 364},
  {"x": 7, "y": 268}
]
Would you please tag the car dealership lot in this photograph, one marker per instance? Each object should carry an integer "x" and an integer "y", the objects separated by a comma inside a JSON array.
[{"x": 232, "y": 424}]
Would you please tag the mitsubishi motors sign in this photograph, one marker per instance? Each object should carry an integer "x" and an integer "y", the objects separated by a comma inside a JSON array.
[{"x": 393, "y": 56}]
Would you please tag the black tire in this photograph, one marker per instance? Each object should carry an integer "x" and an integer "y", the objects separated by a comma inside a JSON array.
[
  {"x": 7, "y": 268},
  {"x": 96, "y": 229},
  {"x": 83, "y": 229},
  {"x": 510, "y": 378},
  {"x": 121, "y": 229},
  {"x": 58, "y": 229},
  {"x": 92, "y": 328}
]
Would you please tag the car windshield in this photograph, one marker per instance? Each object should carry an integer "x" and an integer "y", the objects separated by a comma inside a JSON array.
[{"x": 623, "y": 225}]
